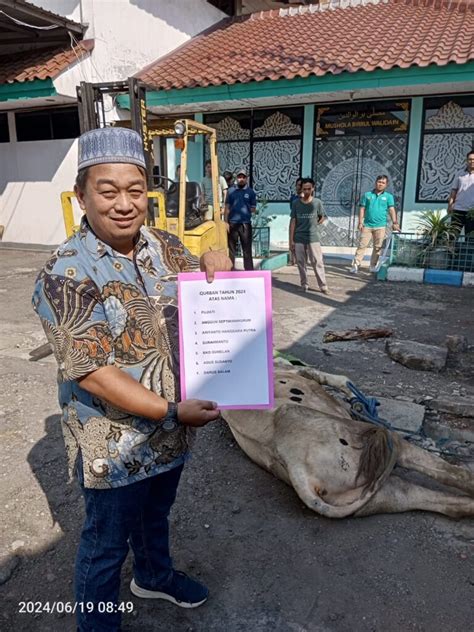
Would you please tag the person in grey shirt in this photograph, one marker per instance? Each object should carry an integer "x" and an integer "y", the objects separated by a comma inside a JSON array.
[
  {"x": 206, "y": 187},
  {"x": 307, "y": 215},
  {"x": 461, "y": 200}
]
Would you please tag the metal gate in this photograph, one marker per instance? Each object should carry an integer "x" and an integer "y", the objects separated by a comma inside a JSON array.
[
  {"x": 347, "y": 162},
  {"x": 345, "y": 168}
]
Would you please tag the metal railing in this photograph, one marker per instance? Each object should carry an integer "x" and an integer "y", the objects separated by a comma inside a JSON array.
[
  {"x": 415, "y": 251},
  {"x": 260, "y": 242}
]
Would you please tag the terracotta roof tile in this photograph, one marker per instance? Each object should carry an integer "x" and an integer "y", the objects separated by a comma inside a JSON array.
[
  {"x": 41, "y": 64},
  {"x": 331, "y": 37}
]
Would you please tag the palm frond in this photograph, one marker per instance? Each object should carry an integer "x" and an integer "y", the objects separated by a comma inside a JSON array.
[{"x": 439, "y": 229}]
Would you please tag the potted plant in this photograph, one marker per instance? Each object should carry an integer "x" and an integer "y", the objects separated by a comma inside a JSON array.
[{"x": 439, "y": 234}]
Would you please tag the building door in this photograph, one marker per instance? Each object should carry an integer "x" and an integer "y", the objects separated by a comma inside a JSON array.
[{"x": 352, "y": 148}]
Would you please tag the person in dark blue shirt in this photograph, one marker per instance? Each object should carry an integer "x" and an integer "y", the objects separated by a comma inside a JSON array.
[{"x": 240, "y": 203}]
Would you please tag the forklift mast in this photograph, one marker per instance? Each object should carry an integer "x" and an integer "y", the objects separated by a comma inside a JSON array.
[
  {"x": 211, "y": 232},
  {"x": 90, "y": 101}
]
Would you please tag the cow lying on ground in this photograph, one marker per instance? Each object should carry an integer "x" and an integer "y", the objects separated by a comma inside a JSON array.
[{"x": 340, "y": 467}]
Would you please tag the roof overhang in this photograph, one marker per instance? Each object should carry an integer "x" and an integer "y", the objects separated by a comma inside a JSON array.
[
  {"x": 37, "y": 59},
  {"x": 242, "y": 7},
  {"x": 53, "y": 30},
  {"x": 35, "y": 94},
  {"x": 38, "y": 102},
  {"x": 358, "y": 86},
  {"x": 12, "y": 93}
]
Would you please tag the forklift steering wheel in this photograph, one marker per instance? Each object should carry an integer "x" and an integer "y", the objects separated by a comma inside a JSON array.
[{"x": 171, "y": 183}]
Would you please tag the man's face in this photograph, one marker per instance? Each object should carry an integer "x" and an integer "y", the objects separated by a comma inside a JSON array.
[
  {"x": 115, "y": 200},
  {"x": 307, "y": 190},
  {"x": 241, "y": 180},
  {"x": 381, "y": 185},
  {"x": 298, "y": 187},
  {"x": 208, "y": 170},
  {"x": 470, "y": 162}
]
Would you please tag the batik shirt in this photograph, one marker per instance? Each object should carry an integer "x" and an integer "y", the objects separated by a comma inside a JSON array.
[{"x": 100, "y": 308}]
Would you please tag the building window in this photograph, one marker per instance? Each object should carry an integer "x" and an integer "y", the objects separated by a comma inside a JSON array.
[
  {"x": 4, "y": 133},
  {"x": 448, "y": 135},
  {"x": 267, "y": 143},
  {"x": 49, "y": 124}
]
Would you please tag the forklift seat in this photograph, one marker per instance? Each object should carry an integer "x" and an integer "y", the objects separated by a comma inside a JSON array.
[{"x": 193, "y": 211}]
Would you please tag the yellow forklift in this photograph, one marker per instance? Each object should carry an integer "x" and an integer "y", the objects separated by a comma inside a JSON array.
[{"x": 177, "y": 207}]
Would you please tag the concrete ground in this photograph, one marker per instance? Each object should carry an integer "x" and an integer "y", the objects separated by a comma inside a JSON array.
[{"x": 270, "y": 563}]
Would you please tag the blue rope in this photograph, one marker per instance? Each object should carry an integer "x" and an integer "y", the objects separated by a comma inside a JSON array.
[{"x": 364, "y": 408}]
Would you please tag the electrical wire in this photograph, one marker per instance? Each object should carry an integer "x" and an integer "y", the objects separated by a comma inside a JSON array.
[
  {"x": 76, "y": 42},
  {"x": 31, "y": 26},
  {"x": 79, "y": 60}
]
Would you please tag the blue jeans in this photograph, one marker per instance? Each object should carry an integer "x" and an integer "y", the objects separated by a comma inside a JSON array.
[{"x": 136, "y": 514}]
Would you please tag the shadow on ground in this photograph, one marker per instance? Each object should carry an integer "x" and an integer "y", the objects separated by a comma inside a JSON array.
[{"x": 271, "y": 564}]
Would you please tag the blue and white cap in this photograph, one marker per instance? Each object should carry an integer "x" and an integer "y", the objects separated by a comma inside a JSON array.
[{"x": 110, "y": 144}]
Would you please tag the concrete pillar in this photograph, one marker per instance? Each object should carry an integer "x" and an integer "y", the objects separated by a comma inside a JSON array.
[
  {"x": 308, "y": 141},
  {"x": 413, "y": 156},
  {"x": 12, "y": 127}
]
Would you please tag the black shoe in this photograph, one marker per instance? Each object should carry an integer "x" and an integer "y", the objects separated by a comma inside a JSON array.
[{"x": 180, "y": 589}]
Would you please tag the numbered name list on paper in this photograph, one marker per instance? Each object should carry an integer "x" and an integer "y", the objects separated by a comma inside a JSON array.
[{"x": 225, "y": 335}]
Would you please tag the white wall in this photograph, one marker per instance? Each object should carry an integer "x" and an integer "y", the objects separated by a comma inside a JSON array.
[
  {"x": 130, "y": 34},
  {"x": 32, "y": 177},
  {"x": 70, "y": 9},
  {"x": 67, "y": 82}
]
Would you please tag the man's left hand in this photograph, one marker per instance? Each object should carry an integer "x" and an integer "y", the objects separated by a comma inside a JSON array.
[{"x": 214, "y": 261}]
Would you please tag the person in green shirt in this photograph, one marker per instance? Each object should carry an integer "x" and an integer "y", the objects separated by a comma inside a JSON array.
[
  {"x": 374, "y": 208},
  {"x": 307, "y": 215}
]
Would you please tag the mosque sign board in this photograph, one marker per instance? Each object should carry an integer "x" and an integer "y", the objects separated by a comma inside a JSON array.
[{"x": 363, "y": 118}]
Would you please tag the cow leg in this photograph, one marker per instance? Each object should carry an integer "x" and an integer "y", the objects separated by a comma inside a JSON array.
[
  {"x": 325, "y": 379},
  {"x": 306, "y": 488},
  {"x": 309, "y": 372},
  {"x": 398, "y": 495},
  {"x": 415, "y": 458}
]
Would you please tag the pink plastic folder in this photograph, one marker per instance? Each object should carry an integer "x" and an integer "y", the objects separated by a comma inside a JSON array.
[{"x": 225, "y": 338}]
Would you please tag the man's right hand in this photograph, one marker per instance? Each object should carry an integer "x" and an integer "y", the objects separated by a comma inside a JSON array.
[
  {"x": 197, "y": 412},
  {"x": 360, "y": 226}
]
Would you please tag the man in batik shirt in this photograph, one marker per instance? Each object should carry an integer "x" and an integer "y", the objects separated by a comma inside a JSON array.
[{"x": 107, "y": 300}]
